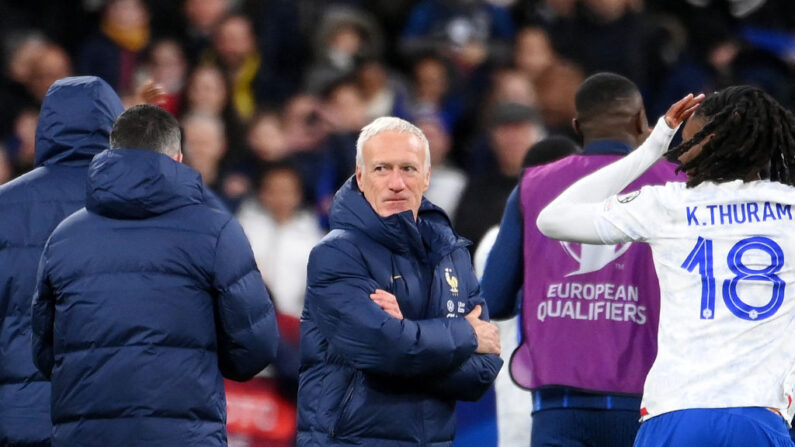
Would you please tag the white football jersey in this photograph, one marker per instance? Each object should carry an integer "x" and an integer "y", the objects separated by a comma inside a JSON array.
[{"x": 725, "y": 258}]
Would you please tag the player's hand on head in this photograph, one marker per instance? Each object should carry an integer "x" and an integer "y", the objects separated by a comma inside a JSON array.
[{"x": 682, "y": 109}]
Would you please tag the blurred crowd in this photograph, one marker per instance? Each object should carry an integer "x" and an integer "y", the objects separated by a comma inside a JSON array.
[{"x": 271, "y": 94}]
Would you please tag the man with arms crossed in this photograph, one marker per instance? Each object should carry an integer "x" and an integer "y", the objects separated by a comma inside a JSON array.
[{"x": 392, "y": 332}]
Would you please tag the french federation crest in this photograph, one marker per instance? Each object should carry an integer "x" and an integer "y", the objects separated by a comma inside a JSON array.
[{"x": 452, "y": 281}]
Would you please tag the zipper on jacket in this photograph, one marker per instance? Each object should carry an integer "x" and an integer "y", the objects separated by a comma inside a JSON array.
[{"x": 344, "y": 404}]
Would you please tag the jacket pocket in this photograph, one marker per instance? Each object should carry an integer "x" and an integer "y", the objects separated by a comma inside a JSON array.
[{"x": 345, "y": 404}]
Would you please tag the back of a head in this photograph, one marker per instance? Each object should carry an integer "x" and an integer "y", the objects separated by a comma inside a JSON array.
[
  {"x": 603, "y": 94},
  {"x": 746, "y": 135},
  {"x": 550, "y": 149},
  {"x": 147, "y": 127}
]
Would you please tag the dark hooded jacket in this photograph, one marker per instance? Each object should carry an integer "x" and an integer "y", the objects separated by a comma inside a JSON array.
[
  {"x": 145, "y": 299},
  {"x": 370, "y": 379},
  {"x": 74, "y": 125}
]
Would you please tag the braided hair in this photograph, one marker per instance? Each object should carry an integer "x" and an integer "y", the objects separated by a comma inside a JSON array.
[{"x": 746, "y": 133}]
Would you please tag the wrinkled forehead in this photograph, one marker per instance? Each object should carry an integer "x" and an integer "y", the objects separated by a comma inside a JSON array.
[{"x": 394, "y": 147}]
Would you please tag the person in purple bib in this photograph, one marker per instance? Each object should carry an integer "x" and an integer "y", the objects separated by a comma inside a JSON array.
[{"x": 589, "y": 313}]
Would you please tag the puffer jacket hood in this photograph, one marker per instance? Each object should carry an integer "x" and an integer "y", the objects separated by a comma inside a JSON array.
[
  {"x": 75, "y": 120},
  {"x": 75, "y": 123},
  {"x": 137, "y": 183}
]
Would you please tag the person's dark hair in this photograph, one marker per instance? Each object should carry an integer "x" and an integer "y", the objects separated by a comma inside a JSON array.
[
  {"x": 550, "y": 149},
  {"x": 148, "y": 127},
  {"x": 603, "y": 93},
  {"x": 746, "y": 132},
  {"x": 266, "y": 169}
]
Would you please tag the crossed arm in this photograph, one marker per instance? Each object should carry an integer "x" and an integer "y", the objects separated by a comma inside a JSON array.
[{"x": 440, "y": 353}]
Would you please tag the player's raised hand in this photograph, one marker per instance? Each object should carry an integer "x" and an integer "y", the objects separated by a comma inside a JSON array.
[
  {"x": 487, "y": 334},
  {"x": 388, "y": 302},
  {"x": 682, "y": 109}
]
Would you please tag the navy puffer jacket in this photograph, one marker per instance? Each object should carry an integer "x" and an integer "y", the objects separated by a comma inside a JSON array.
[
  {"x": 370, "y": 379},
  {"x": 145, "y": 299},
  {"x": 74, "y": 125}
]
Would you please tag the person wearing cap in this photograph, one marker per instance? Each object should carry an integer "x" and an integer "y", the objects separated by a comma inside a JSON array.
[
  {"x": 588, "y": 313},
  {"x": 513, "y": 129}
]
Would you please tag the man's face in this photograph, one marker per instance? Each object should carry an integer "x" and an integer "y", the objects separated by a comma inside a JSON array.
[
  {"x": 395, "y": 173},
  {"x": 692, "y": 127}
]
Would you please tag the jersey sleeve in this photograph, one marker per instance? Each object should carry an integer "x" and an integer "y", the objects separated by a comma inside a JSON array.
[{"x": 634, "y": 216}]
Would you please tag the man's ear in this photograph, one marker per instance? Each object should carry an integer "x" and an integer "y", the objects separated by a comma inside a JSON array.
[
  {"x": 641, "y": 123},
  {"x": 576, "y": 126},
  {"x": 359, "y": 177},
  {"x": 178, "y": 157},
  {"x": 427, "y": 182}
]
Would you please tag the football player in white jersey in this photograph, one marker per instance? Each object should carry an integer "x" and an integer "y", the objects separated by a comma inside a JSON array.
[{"x": 724, "y": 250}]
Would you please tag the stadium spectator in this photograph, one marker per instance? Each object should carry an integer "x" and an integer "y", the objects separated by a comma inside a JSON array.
[
  {"x": 384, "y": 92},
  {"x": 282, "y": 233},
  {"x": 165, "y": 64},
  {"x": 22, "y": 50},
  {"x": 114, "y": 53},
  {"x": 202, "y": 17},
  {"x": 447, "y": 181},
  {"x": 343, "y": 37},
  {"x": 432, "y": 90},
  {"x": 391, "y": 334},
  {"x": 466, "y": 31},
  {"x": 51, "y": 64},
  {"x": 514, "y": 128},
  {"x": 21, "y": 145},
  {"x": 165, "y": 306},
  {"x": 235, "y": 52},
  {"x": 588, "y": 366}
]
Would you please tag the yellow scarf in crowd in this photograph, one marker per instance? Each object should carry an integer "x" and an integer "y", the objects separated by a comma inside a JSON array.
[
  {"x": 130, "y": 39},
  {"x": 242, "y": 91}
]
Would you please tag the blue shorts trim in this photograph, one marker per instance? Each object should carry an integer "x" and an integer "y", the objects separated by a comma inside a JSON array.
[
  {"x": 715, "y": 427},
  {"x": 564, "y": 397}
]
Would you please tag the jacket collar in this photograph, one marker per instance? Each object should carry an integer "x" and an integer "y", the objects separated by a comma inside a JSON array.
[
  {"x": 607, "y": 147},
  {"x": 432, "y": 235},
  {"x": 137, "y": 183}
]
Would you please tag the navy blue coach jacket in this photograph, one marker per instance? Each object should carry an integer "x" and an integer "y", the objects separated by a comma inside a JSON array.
[
  {"x": 145, "y": 299},
  {"x": 74, "y": 125},
  {"x": 370, "y": 379}
]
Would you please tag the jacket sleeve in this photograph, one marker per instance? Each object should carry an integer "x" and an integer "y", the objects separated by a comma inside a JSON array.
[
  {"x": 369, "y": 339},
  {"x": 471, "y": 379},
  {"x": 245, "y": 318},
  {"x": 502, "y": 277},
  {"x": 42, "y": 319}
]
